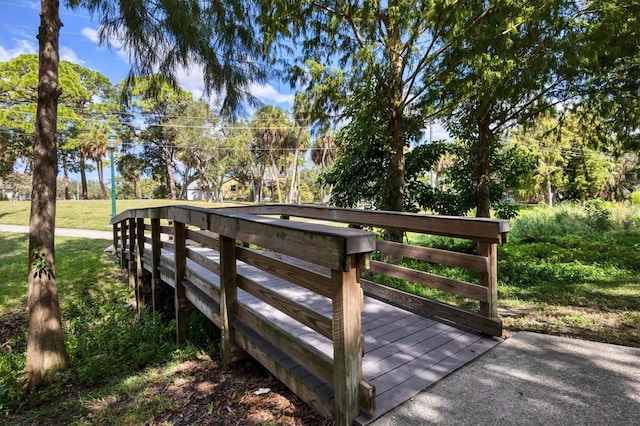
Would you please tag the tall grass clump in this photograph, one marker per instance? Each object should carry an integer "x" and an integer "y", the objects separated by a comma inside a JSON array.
[{"x": 546, "y": 224}]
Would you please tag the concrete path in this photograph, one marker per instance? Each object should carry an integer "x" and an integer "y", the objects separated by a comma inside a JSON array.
[
  {"x": 62, "y": 232},
  {"x": 533, "y": 379}
]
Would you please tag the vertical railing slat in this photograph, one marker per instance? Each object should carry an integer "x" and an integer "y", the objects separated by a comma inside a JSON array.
[
  {"x": 180, "y": 259},
  {"x": 228, "y": 295},
  {"x": 156, "y": 250},
  {"x": 132, "y": 248}
]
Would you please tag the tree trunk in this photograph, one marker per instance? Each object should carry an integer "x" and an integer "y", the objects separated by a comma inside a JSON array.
[
  {"x": 83, "y": 176},
  {"x": 103, "y": 188},
  {"x": 45, "y": 344},
  {"x": 168, "y": 160},
  {"x": 65, "y": 171},
  {"x": 483, "y": 166},
  {"x": 549, "y": 191}
]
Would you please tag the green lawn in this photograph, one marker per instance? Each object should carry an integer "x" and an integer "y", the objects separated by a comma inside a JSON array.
[{"x": 86, "y": 214}]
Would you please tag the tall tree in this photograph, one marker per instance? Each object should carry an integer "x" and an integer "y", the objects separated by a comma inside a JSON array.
[
  {"x": 46, "y": 353},
  {"x": 394, "y": 48},
  {"x": 507, "y": 68},
  {"x": 157, "y": 107},
  {"x": 165, "y": 37}
]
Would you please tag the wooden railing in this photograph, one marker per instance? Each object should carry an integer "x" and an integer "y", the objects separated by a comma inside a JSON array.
[
  {"x": 326, "y": 256},
  {"x": 199, "y": 256},
  {"x": 487, "y": 233}
]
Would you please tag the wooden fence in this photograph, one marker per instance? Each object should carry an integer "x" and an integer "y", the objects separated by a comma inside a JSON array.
[{"x": 207, "y": 255}]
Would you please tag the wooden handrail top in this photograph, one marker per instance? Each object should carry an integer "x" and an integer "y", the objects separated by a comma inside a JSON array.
[
  {"x": 321, "y": 244},
  {"x": 479, "y": 229}
]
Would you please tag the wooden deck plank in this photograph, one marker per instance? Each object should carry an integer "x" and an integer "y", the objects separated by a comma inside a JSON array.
[{"x": 404, "y": 352}]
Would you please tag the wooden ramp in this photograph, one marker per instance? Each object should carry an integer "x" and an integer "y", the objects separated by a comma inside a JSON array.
[{"x": 404, "y": 352}]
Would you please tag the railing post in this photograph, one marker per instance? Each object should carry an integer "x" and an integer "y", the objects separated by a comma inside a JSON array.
[
  {"x": 228, "y": 296},
  {"x": 156, "y": 250},
  {"x": 123, "y": 244},
  {"x": 180, "y": 258},
  {"x": 490, "y": 279},
  {"x": 132, "y": 259},
  {"x": 140, "y": 272},
  {"x": 347, "y": 339},
  {"x": 115, "y": 237}
]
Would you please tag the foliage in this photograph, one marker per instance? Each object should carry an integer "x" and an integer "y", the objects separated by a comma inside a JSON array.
[
  {"x": 635, "y": 198},
  {"x": 455, "y": 193},
  {"x": 163, "y": 37}
]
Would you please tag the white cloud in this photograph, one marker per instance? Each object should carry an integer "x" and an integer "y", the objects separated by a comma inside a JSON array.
[
  {"x": 267, "y": 92},
  {"x": 191, "y": 80},
  {"x": 114, "y": 43},
  {"x": 67, "y": 54},
  {"x": 91, "y": 34},
  {"x": 21, "y": 47}
]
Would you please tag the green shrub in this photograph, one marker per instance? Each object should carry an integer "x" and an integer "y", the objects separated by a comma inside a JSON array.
[{"x": 635, "y": 198}]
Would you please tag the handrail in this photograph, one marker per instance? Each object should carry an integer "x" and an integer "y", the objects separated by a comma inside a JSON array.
[
  {"x": 486, "y": 232},
  {"x": 342, "y": 251},
  {"x": 325, "y": 259}
]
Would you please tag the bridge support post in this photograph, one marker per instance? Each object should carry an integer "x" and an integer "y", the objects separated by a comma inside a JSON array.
[
  {"x": 228, "y": 296},
  {"x": 132, "y": 254},
  {"x": 155, "y": 262},
  {"x": 180, "y": 258},
  {"x": 140, "y": 272},
  {"x": 490, "y": 279},
  {"x": 347, "y": 339}
]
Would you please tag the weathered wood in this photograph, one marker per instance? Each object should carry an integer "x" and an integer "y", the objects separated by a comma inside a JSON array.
[
  {"x": 298, "y": 312},
  {"x": 180, "y": 262},
  {"x": 462, "y": 288},
  {"x": 206, "y": 238},
  {"x": 290, "y": 269},
  {"x": 347, "y": 340},
  {"x": 442, "y": 257},
  {"x": 140, "y": 273},
  {"x": 426, "y": 307},
  {"x": 480, "y": 229},
  {"x": 203, "y": 261},
  {"x": 315, "y": 243},
  {"x": 489, "y": 279},
  {"x": 155, "y": 262},
  {"x": 270, "y": 357},
  {"x": 203, "y": 302},
  {"x": 123, "y": 244},
  {"x": 168, "y": 230},
  {"x": 228, "y": 296}
]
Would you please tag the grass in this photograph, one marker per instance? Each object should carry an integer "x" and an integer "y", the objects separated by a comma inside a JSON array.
[
  {"x": 571, "y": 271},
  {"x": 86, "y": 214},
  {"x": 568, "y": 270},
  {"x": 124, "y": 368}
]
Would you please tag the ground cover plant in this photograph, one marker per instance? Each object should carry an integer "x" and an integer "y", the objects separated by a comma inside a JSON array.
[
  {"x": 125, "y": 368},
  {"x": 570, "y": 270}
]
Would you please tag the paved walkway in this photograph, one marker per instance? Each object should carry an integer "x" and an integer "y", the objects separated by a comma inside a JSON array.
[
  {"x": 533, "y": 379},
  {"x": 62, "y": 232}
]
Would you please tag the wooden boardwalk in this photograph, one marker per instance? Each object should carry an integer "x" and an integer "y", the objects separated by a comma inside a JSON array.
[{"x": 404, "y": 352}]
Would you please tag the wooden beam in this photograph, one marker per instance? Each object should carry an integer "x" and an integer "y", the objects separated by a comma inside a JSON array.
[
  {"x": 347, "y": 341},
  {"x": 462, "y": 288},
  {"x": 228, "y": 297},
  {"x": 489, "y": 308},
  {"x": 180, "y": 262},
  {"x": 431, "y": 308},
  {"x": 155, "y": 263},
  {"x": 140, "y": 273},
  {"x": 431, "y": 255}
]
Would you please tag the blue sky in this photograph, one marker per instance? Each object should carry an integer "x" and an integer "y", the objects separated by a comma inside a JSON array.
[{"x": 19, "y": 20}]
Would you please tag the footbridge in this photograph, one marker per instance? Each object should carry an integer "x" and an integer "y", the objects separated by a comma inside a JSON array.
[{"x": 305, "y": 291}]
